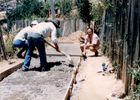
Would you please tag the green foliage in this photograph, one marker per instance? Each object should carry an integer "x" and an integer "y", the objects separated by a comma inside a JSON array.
[
  {"x": 84, "y": 10},
  {"x": 66, "y": 6},
  {"x": 3, "y": 29},
  {"x": 97, "y": 12},
  {"x": 25, "y": 10},
  {"x": 57, "y": 3},
  {"x": 9, "y": 44},
  {"x": 135, "y": 70},
  {"x": 135, "y": 73},
  {"x": 135, "y": 95},
  {"x": 106, "y": 3},
  {"x": 45, "y": 11}
]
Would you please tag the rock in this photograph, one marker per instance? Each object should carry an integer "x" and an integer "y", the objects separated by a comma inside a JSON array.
[{"x": 112, "y": 97}]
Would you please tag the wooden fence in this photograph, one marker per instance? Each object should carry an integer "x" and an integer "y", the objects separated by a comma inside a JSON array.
[
  {"x": 66, "y": 27},
  {"x": 120, "y": 36}
]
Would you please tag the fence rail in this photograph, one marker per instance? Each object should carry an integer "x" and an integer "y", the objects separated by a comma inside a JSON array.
[{"x": 66, "y": 27}]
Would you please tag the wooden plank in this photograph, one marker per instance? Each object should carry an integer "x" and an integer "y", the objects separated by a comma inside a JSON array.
[{"x": 73, "y": 79}]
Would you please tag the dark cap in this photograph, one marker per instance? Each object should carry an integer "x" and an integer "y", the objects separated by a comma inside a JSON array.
[{"x": 56, "y": 22}]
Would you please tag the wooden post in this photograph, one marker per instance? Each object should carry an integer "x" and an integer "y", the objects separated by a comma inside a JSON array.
[
  {"x": 3, "y": 53},
  {"x": 52, "y": 9}
]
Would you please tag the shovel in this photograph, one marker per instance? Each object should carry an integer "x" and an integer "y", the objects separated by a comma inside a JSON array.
[{"x": 67, "y": 55}]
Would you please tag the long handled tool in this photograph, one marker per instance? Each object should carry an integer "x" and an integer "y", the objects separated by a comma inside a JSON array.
[{"x": 67, "y": 55}]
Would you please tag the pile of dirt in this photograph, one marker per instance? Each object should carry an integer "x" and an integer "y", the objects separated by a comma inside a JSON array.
[{"x": 75, "y": 37}]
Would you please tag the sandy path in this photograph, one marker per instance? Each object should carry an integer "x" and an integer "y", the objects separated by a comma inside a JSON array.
[{"x": 96, "y": 86}]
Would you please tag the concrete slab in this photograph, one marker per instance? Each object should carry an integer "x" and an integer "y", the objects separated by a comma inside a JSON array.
[
  {"x": 69, "y": 48},
  {"x": 52, "y": 60},
  {"x": 47, "y": 85},
  {"x": 72, "y": 49}
]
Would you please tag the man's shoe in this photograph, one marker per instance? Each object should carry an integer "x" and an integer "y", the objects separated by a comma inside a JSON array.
[
  {"x": 96, "y": 53},
  {"x": 45, "y": 69},
  {"x": 84, "y": 57},
  {"x": 34, "y": 55},
  {"x": 19, "y": 56},
  {"x": 24, "y": 68}
]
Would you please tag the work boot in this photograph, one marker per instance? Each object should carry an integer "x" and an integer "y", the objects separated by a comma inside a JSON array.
[
  {"x": 25, "y": 68},
  {"x": 34, "y": 55},
  {"x": 84, "y": 57},
  {"x": 19, "y": 55},
  {"x": 96, "y": 53},
  {"x": 44, "y": 68}
]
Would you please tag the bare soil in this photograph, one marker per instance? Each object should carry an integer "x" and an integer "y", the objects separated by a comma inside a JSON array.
[{"x": 75, "y": 37}]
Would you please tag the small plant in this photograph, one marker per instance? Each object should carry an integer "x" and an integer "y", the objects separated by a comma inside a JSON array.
[
  {"x": 135, "y": 73},
  {"x": 135, "y": 70},
  {"x": 9, "y": 44},
  {"x": 136, "y": 94}
]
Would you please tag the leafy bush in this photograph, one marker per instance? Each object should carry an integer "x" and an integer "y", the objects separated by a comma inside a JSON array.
[
  {"x": 57, "y": 3},
  {"x": 66, "y": 6},
  {"x": 25, "y": 10},
  {"x": 97, "y": 12},
  {"x": 45, "y": 11},
  {"x": 84, "y": 10}
]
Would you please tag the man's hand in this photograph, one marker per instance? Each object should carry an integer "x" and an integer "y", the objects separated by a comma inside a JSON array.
[
  {"x": 57, "y": 47},
  {"x": 58, "y": 50}
]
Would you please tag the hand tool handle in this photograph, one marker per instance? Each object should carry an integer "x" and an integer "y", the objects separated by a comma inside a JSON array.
[
  {"x": 50, "y": 44},
  {"x": 68, "y": 57},
  {"x": 54, "y": 47}
]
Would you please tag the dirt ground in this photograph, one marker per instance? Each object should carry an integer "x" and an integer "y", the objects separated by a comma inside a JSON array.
[{"x": 91, "y": 82}]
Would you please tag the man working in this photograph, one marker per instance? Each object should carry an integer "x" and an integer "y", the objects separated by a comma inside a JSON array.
[
  {"x": 92, "y": 42},
  {"x": 20, "y": 39},
  {"x": 36, "y": 37}
]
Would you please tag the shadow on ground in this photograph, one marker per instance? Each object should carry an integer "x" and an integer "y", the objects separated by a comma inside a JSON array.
[
  {"x": 49, "y": 65},
  {"x": 95, "y": 56}
]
